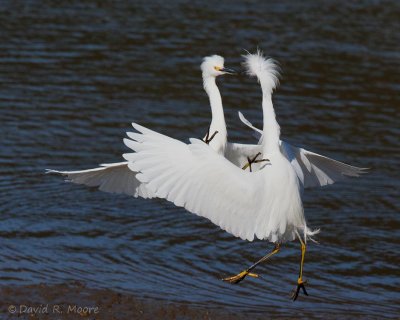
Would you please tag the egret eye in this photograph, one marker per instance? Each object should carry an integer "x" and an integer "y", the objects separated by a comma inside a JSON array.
[{"x": 217, "y": 68}]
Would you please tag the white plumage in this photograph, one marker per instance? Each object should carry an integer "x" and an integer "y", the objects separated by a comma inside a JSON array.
[
  {"x": 313, "y": 169},
  {"x": 112, "y": 178},
  {"x": 206, "y": 177},
  {"x": 265, "y": 204},
  {"x": 118, "y": 178}
]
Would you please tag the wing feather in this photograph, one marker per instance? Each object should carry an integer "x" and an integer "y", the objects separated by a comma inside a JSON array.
[
  {"x": 315, "y": 170},
  {"x": 257, "y": 132},
  {"x": 312, "y": 169},
  {"x": 112, "y": 178},
  {"x": 197, "y": 178}
]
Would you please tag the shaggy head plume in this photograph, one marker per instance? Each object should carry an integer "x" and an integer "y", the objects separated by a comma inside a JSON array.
[{"x": 265, "y": 69}]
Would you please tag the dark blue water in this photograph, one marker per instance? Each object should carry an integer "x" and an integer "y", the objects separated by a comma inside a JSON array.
[{"x": 73, "y": 77}]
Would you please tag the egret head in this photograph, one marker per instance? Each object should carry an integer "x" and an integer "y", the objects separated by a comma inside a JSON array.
[{"x": 213, "y": 66}]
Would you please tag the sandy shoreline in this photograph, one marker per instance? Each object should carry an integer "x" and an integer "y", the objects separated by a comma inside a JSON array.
[{"x": 76, "y": 301}]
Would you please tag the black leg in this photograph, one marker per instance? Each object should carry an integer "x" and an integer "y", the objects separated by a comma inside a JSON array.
[
  {"x": 250, "y": 161},
  {"x": 208, "y": 139},
  {"x": 212, "y": 137}
]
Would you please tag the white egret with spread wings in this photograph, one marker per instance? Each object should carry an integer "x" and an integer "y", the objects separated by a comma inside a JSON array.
[
  {"x": 265, "y": 204},
  {"x": 206, "y": 176}
]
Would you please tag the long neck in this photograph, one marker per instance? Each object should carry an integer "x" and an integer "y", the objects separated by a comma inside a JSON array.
[
  {"x": 217, "y": 111},
  {"x": 271, "y": 129}
]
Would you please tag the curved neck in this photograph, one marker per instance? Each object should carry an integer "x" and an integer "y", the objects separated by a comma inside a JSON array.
[
  {"x": 271, "y": 129},
  {"x": 217, "y": 111}
]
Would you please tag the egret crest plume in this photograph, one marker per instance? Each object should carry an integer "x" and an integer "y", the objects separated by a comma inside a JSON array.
[{"x": 265, "y": 69}]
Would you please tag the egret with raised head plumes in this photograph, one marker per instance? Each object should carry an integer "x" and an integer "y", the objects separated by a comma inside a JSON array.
[{"x": 266, "y": 204}]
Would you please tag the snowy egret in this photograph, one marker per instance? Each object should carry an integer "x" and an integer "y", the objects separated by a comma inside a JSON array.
[
  {"x": 265, "y": 204},
  {"x": 118, "y": 178}
]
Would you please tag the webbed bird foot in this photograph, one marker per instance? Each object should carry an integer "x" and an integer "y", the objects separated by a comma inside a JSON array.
[
  {"x": 250, "y": 161},
  {"x": 239, "y": 277},
  {"x": 300, "y": 285}
]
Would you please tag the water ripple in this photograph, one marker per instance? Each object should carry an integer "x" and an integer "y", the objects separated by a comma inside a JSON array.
[{"x": 75, "y": 75}]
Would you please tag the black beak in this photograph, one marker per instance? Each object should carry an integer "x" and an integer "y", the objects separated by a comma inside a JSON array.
[{"x": 228, "y": 71}]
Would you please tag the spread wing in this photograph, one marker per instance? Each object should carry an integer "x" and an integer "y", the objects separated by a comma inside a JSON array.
[
  {"x": 257, "y": 132},
  {"x": 313, "y": 170},
  {"x": 113, "y": 178},
  {"x": 195, "y": 177}
]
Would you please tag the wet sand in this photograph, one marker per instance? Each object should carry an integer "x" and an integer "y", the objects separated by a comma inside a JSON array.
[{"x": 76, "y": 301}]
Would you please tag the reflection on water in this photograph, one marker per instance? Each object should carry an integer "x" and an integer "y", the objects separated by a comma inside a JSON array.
[{"x": 74, "y": 76}]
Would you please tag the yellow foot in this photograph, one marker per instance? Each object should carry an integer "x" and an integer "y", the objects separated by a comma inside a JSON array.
[
  {"x": 239, "y": 277},
  {"x": 300, "y": 285}
]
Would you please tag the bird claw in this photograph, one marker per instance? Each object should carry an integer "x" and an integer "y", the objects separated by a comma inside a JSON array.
[
  {"x": 239, "y": 277},
  {"x": 207, "y": 138},
  {"x": 300, "y": 285},
  {"x": 250, "y": 161}
]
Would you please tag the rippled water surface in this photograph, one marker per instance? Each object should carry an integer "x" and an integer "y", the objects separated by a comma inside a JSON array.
[{"x": 73, "y": 77}]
